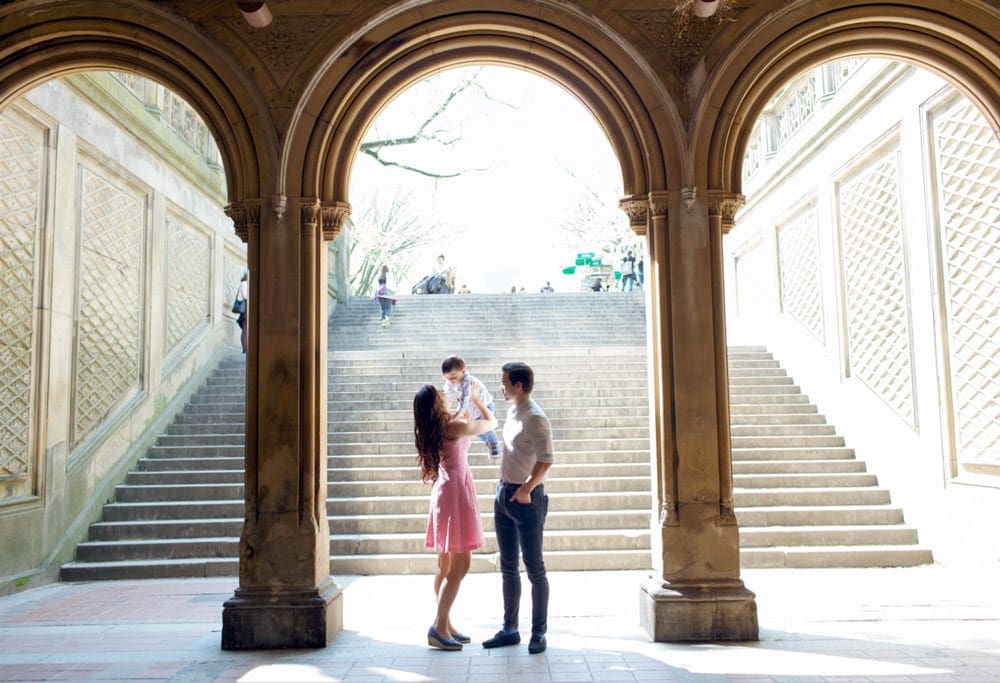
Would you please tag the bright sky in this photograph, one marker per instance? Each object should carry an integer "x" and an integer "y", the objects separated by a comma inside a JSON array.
[{"x": 499, "y": 226}]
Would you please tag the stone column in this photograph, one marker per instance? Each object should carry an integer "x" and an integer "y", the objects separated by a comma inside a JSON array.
[
  {"x": 286, "y": 597},
  {"x": 695, "y": 592}
]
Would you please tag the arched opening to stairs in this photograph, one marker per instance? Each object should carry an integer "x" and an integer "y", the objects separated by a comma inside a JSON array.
[
  {"x": 588, "y": 349},
  {"x": 900, "y": 171}
]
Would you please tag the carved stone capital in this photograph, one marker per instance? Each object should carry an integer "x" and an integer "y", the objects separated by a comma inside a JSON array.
[
  {"x": 725, "y": 205},
  {"x": 334, "y": 214},
  {"x": 659, "y": 202},
  {"x": 688, "y": 196},
  {"x": 245, "y": 217},
  {"x": 279, "y": 203},
  {"x": 309, "y": 212},
  {"x": 636, "y": 208}
]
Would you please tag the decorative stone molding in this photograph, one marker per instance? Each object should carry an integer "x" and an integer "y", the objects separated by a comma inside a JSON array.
[
  {"x": 688, "y": 196},
  {"x": 636, "y": 207},
  {"x": 245, "y": 217},
  {"x": 282, "y": 46},
  {"x": 659, "y": 202},
  {"x": 279, "y": 203},
  {"x": 309, "y": 212},
  {"x": 333, "y": 218},
  {"x": 725, "y": 205},
  {"x": 680, "y": 39}
]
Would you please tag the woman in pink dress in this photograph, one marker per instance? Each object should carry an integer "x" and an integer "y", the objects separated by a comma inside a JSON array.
[{"x": 454, "y": 528}]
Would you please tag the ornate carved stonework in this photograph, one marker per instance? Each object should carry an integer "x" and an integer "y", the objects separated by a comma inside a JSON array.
[
  {"x": 278, "y": 204},
  {"x": 725, "y": 205},
  {"x": 659, "y": 201},
  {"x": 636, "y": 207},
  {"x": 309, "y": 212},
  {"x": 245, "y": 217},
  {"x": 688, "y": 196},
  {"x": 282, "y": 46},
  {"x": 333, "y": 218},
  {"x": 678, "y": 36}
]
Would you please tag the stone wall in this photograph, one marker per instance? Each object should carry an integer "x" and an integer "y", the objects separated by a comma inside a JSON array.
[{"x": 117, "y": 270}]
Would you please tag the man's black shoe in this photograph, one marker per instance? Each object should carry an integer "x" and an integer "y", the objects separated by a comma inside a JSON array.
[
  {"x": 502, "y": 639},
  {"x": 536, "y": 644}
]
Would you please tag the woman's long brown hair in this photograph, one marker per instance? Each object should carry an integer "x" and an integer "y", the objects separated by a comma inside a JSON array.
[{"x": 430, "y": 421}]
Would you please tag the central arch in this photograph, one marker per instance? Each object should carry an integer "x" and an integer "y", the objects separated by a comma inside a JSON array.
[{"x": 366, "y": 72}]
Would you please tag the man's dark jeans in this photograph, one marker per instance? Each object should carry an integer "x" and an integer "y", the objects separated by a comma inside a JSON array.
[{"x": 523, "y": 525}]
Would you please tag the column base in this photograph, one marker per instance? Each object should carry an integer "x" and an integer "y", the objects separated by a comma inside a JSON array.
[
  {"x": 263, "y": 618},
  {"x": 685, "y": 611}
]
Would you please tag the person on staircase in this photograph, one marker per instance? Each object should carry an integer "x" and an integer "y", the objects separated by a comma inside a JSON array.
[
  {"x": 454, "y": 524},
  {"x": 459, "y": 388},
  {"x": 240, "y": 305},
  {"x": 521, "y": 505},
  {"x": 628, "y": 271},
  {"x": 383, "y": 295}
]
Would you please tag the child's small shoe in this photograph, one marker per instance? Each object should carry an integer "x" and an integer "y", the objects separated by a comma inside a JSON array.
[{"x": 494, "y": 451}]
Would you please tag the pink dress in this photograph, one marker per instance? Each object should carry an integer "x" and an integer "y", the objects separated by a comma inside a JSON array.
[{"x": 454, "y": 524}]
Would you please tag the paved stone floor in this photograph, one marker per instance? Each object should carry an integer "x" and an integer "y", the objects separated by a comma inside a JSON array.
[{"x": 925, "y": 624}]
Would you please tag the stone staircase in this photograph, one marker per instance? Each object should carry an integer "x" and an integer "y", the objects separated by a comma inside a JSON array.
[{"x": 803, "y": 499}]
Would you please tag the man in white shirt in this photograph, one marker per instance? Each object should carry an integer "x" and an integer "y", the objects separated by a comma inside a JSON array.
[{"x": 521, "y": 505}]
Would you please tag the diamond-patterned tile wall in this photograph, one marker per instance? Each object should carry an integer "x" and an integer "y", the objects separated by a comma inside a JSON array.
[
  {"x": 967, "y": 160},
  {"x": 798, "y": 271},
  {"x": 188, "y": 276},
  {"x": 21, "y": 167},
  {"x": 108, "y": 362},
  {"x": 874, "y": 276}
]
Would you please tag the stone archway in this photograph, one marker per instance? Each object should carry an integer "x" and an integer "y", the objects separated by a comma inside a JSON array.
[
  {"x": 696, "y": 593},
  {"x": 676, "y": 112},
  {"x": 953, "y": 42}
]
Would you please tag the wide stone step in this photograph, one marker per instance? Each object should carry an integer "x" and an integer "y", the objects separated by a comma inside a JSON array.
[
  {"x": 629, "y": 522},
  {"x": 771, "y": 401},
  {"x": 481, "y": 472},
  {"x": 340, "y": 490},
  {"x": 393, "y": 428},
  {"x": 782, "y": 420},
  {"x": 562, "y": 445},
  {"x": 736, "y": 391},
  {"x": 477, "y": 455},
  {"x": 595, "y": 502},
  {"x": 790, "y": 515},
  {"x": 835, "y": 556},
  {"x": 353, "y": 544},
  {"x": 802, "y": 467},
  {"x": 743, "y": 454},
  {"x": 799, "y": 481},
  {"x": 193, "y": 463},
  {"x": 827, "y": 536},
  {"x": 800, "y": 406},
  {"x": 623, "y": 521},
  {"x": 149, "y": 569},
  {"x": 777, "y": 441},
  {"x": 782, "y": 430},
  {"x": 810, "y": 496}
]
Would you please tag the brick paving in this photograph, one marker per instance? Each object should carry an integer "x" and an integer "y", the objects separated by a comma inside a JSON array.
[{"x": 926, "y": 624}]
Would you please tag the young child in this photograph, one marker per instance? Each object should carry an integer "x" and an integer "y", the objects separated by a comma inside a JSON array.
[{"x": 459, "y": 386}]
